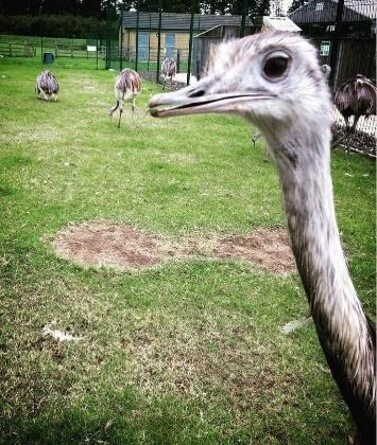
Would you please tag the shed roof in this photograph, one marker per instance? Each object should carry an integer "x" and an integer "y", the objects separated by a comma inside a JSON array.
[
  {"x": 179, "y": 22},
  {"x": 324, "y": 11},
  {"x": 280, "y": 24}
]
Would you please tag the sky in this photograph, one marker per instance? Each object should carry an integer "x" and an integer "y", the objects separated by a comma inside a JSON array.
[{"x": 286, "y": 4}]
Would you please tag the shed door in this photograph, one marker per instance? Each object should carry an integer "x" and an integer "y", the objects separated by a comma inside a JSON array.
[
  {"x": 170, "y": 45},
  {"x": 142, "y": 46}
]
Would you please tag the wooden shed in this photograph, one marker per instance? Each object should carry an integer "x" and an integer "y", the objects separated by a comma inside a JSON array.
[
  {"x": 175, "y": 32},
  {"x": 357, "y": 34}
]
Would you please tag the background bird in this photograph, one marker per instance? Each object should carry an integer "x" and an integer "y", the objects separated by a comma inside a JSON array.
[
  {"x": 356, "y": 97},
  {"x": 127, "y": 87},
  {"x": 47, "y": 86},
  {"x": 274, "y": 81},
  {"x": 168, "y": 70}
]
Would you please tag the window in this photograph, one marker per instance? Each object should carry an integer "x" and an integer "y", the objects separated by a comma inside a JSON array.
[
  {"x": 170, "y": 45},
  {"x": 143, "y": 46},
  {"x": 325, "y": 48},
  {"x": 319, "y": 6}
]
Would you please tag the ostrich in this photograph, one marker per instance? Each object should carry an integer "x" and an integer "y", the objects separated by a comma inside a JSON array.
[
  {"x": 275, "y": 82},
  {"x": 47, "y": 86},
  {"x": 355, "y": 97},
  {"x": 127, "y": 87},
  {"x": 168, "y": 69}
]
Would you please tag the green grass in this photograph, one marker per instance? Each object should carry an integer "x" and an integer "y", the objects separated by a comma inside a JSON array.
[{"x": 186, "y": 353}]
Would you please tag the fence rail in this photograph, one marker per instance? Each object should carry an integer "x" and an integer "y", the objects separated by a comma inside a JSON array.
[
  {"x": 25, "y": 46},
  {"x": 14, "y": 49}
]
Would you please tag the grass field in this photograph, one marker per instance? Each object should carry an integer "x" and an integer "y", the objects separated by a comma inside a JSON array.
[{"x": 186, "y": 353}]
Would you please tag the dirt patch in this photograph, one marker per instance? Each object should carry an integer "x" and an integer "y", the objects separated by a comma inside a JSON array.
[
  {"x": 267, "y": 248},
  {"x": 101, "y": 244}
]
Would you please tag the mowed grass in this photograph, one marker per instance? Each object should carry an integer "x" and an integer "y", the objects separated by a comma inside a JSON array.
[{"x": 186, "y": 353}]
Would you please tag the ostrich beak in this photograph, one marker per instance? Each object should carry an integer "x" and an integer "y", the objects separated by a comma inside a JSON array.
[{"x": 196, "y": 99}]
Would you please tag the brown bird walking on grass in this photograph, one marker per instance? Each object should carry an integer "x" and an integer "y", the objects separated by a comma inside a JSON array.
[
  {"x": 356, "y": 97},
  {"x": 47, "y": 86},
  {"x": 126, "y": 89},
  {"x": 169, "y": 70}
]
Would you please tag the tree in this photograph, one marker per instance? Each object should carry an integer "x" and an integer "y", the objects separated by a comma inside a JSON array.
[
  {"x": 263, "y": 7},
  {"x": 109, "y": 9},
  {"x": 216, "y": 6},
  {"x": 91, "y": 8},
  {"x": 235, "y": 7},
  {"x": 296, "y": 4},
  {"x": 19, "y": 7},
  {"x": 60, "y": 7}
]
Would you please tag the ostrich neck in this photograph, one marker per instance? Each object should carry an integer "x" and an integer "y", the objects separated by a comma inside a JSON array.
[
  {"x": 309, "y": 205},
  {"x": 340, "y": 322}
]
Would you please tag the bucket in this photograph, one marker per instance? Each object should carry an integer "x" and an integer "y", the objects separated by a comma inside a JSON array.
[{"x": 48, "y": 58}]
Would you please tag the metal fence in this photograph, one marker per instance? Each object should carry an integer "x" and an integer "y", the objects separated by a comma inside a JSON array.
[
  {"x": 148, "y": 62},
  {"x": 355, "y": 56},
  {"x": 18, "y": 46},
  {"x": 366, "y": 125},
  {"x": 345, "y": 35},
  {"x": 93, "y": 49}
]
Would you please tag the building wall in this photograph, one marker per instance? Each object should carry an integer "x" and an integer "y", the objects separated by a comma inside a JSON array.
[{"x": 181, "y": 42}]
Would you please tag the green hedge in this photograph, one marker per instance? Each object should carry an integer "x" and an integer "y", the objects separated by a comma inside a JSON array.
[{"x": 52, "y": 26}]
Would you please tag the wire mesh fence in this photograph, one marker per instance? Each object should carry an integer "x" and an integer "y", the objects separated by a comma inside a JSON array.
[
  {"x": 92, "y": 48},
  {"x": 363, "y": 140},
  {"x": 365, "y": 124}
]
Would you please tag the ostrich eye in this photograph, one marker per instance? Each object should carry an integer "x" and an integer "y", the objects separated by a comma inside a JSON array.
[{"x": 276, "y": 65}]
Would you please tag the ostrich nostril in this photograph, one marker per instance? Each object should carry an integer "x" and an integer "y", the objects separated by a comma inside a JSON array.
[{"x": 197, "y": 93}]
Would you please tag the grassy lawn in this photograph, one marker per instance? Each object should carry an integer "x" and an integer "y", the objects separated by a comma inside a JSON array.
[{"x": 185, "y": 353}]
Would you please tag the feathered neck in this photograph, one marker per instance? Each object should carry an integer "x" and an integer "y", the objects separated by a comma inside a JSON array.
[{"x": 303, "y": 163}]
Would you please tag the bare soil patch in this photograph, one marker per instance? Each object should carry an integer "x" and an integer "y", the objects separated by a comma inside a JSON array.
[
  {"x": 267, "y": 248},
  {"x": 124, "y": 247},
  {"x": 100, "y": 244}
]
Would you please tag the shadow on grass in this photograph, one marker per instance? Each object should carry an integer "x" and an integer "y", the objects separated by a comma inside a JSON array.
[
  {"x": 130, "y": 419},
  {"x": 125, "y": 419}
]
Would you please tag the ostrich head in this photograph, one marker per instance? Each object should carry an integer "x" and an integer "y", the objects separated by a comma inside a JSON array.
[{"x": 273, "y": 80}]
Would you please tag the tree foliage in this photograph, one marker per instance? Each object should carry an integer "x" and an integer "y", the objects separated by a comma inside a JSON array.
[
  {"x": 65, "y": 18},
  {"x": 100, "y": 8},
  {"x": 52, "y": 26},
  {"x": 296, "y": 4},
  {"x": 231, "y": 7}
]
